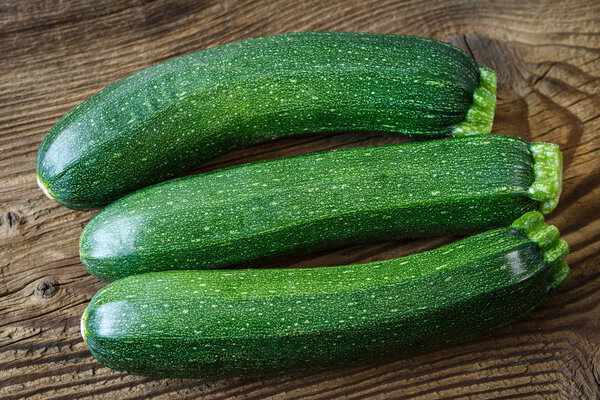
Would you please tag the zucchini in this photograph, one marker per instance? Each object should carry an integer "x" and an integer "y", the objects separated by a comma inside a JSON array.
[
  {"x": 166, "y": 119},
  {"x": 222, "y": 323},
  {"x": 252, "y": 212}
]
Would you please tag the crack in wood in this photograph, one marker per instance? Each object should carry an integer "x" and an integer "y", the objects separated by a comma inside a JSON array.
[{"x": 12, "y": 219}]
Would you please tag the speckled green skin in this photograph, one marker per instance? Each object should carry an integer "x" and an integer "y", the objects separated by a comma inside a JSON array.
[
  {"x": 171, "y": 117},
  {"x": 246, "y": 213},
  {"x": 220, "y": 323}
]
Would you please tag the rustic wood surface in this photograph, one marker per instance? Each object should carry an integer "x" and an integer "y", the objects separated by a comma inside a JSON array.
[{"x": 54, "y": 54}]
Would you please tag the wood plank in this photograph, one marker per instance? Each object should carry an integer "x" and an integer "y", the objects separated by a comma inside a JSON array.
[{"x": 55, "y": 54}]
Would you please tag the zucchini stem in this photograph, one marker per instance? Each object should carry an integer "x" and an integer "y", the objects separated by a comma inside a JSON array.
[
  {"x": 553, "y": 248},
  {"x": 480, "y": 116},
  {"x": 548, "y": 169}
]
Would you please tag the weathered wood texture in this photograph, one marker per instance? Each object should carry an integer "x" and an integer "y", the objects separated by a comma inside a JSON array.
[{"x": 55, "y": 54}]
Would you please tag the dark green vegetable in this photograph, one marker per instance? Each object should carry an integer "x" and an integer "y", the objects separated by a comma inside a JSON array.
[
  {"x": 219, "y": 323},
  {"x": 256, "y": 211},
  {"x": 171, "y": 117}
]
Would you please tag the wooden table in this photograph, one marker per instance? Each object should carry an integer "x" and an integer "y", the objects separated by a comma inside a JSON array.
[{"x": 54, "y": 54}]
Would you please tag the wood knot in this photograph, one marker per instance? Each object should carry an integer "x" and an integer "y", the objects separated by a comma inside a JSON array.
[
  {"x": 12, "y": 219},
  {"x": 47, "y": 289}
]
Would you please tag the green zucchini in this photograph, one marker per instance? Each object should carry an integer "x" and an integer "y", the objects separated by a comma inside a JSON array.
[
  {"x": 221, "y": 323},
  {"x": 168, "y": 118},
  {"x": 263, "y": 210}
]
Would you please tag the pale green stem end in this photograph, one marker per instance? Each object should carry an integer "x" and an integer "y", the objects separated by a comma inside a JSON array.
[
  {"x": 560, "y": 273},
  {"x": 553, "y": 248},
  {"x": 548, "y": 169},
  {"x": 480, "y": 116}
]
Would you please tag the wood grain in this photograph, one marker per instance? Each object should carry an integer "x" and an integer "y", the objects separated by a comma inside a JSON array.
[{"x": 55, "y": 54}]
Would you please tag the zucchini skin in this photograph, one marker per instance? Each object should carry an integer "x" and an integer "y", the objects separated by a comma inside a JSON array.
[
  {"x": 253, "y": 212},
  {"x": 220, "y": 323},
  {"x": 169, "y": 118}
]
